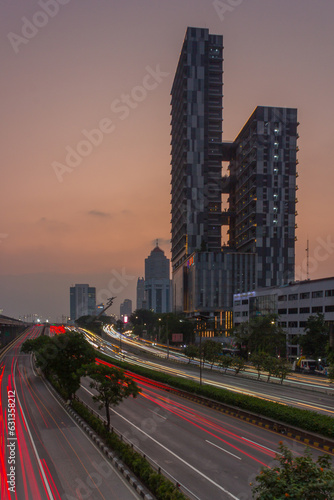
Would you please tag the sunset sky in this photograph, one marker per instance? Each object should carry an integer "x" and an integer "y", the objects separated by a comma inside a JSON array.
[{"x": 74, "y": 66}]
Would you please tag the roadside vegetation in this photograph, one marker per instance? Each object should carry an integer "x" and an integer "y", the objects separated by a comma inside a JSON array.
[
  {"x": 296, "y": 478},
  {"x": 303, "y": 419}
]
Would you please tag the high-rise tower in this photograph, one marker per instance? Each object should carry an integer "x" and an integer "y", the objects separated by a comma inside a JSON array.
[
  {"x": 82, "y": 301},
  {"x": 259, "y": 183},
  {"x": 157, "y": 281},
  {"x": 262, "y": 198},
  {"x": 196, "y": 130}
]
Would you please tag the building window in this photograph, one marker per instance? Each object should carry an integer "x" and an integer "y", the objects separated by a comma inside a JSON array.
[
  {"x": 317, "y": 309},
  {"x": 282, "y": 311},
  {"x": 329, "y": 293},
  {"x": 293, "y": 296},
  {"x": 329, "y": 309},
  {"x": 237, "y": 303},
  {"x": 304, "y": 310},
  {"x": 245, "y": 302},
  {"x": 245, "y": 313},
  {"x": 281, "y": 298},
  {"x": 282, "y": 324},
  {"x": 318, "y": 294},
  {"x": 305, "y": 295},
  {"x": 293, "y": 310},
  {"x": 302, "y": 324},
  {"x": 293, "y": 324}
]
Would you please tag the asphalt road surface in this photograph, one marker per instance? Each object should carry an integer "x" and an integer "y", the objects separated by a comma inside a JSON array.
[{"x": 44, "y": 454}]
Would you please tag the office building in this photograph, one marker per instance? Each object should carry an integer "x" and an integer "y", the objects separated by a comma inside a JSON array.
[
  {"x": 126, "y": 309},
  {"x": 141, "y": 302},
  {"x": 293, "y": 304},
  {"x": 82, "y": 301},
  {"x": 157, "y": 281},
  {"x": 196, "y": 135},
  {"x": 262, "y": 193},
  {"x": 233, "y": 204}
]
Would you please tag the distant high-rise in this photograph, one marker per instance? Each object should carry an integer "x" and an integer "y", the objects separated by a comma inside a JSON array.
[
  {"x": 141, "y": 303},
  {"x": 157, "y": 281},
  {"x": 254, "y": 198},
  {"x": 82, "y": 301},
  {"x": 126, "y": 308}
]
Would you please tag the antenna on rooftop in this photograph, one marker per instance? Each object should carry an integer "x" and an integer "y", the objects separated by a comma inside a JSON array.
[{"x": 307, "y": 260}]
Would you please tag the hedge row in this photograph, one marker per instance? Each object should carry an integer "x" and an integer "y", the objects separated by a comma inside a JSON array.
[
  {"x": 157, "y": 484},
  {"x": 303, "y": 419}
]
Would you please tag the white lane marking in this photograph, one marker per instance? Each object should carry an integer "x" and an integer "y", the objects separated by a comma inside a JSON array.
[
  {"x": 160, "y": 416},
  {"x": 112, "y": 469},
  {"x": 213, "y": 444},
  {"x": 261, "y": 445},
  {"x": 47, "y": 486},
  {"x": 172, "y": 453}
]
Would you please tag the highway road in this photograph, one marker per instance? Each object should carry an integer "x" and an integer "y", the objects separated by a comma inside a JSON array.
[
  {"x": 301, "y": 391},
  {"x": 44, "y": 454},
  {"x": 307, "y": 392},
  {"x": 212, "y": 455}
]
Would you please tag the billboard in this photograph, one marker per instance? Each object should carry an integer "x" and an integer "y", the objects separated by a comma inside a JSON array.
[{"x": 177, "y": 337}]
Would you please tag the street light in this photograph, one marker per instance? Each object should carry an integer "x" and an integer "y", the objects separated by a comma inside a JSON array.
[
  {"x": 159, "y": 331},
  {"x": 125, "y": 320},
  {"x": 167, "y": 338}
]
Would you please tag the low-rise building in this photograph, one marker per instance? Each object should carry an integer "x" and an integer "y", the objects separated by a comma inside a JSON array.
[{"x": 293, "y": 304}]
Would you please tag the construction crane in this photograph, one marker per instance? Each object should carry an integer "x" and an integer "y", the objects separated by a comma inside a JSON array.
[
  {"x": 94, "y": 319},
  {"x": 109, "y": 304}
]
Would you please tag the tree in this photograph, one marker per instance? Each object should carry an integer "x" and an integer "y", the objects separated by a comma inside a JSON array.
[
  {"x": 330, "y": 357},
  {"x": 331, "y": 373},
  {"x": 225, "y": 361},
  {"x": 62, "y": 357},
  {"x": 257, "y": 361},
  {"x": 269, "y": 365},
  {"x": 211, "y": 351},
  {"x": 314, "y": 342},
  {"x": 238, "y": 364},
  {"x": 261, "y": 334},
  {"x": 112, "y": 386},
  {"x": 282, "y": 368},
  {"x": 297, "y": 478},
  {"x": 191, "y": 351},
  {"x": 44, "y": 350},
  {"x": 241, "y": 334}
]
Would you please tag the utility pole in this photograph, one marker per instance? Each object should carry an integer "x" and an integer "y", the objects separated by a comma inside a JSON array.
[
  {"x": 307, "y": 260},
  {"x": 167, "y": 340}
]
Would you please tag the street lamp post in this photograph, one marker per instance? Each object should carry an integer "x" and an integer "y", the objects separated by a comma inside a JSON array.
[
  {"x": 200, "y": 353},
  {"x": 159, "y": 330},
  {"x": 167, "y": 339}
]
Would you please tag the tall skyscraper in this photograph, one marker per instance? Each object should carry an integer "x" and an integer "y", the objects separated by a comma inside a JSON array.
[
  {"x": 126, "y": 308},
  {"x": 82, "y": 301},
  {"x": 253, "y": 199},
  {"x": 196, "y": 130},
  {"x": 262, "y": 197},
  {"x": 141, "y": 302},
  {"x": 157, "y": 281}
]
